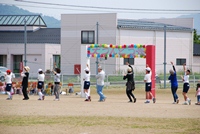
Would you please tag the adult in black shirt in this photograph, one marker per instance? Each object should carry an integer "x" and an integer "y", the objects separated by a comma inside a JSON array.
[
  {"x": 25, "y": 76},
  {"x": 130, "y": 84}
]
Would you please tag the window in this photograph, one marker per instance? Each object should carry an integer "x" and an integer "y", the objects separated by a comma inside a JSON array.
[
  {"x": 87, "y": 37},
  {"x": 180, "y": 61},
  {"x": 17, "y": 59},
  {"x": 56, "y": 60},
  {"x": 129, "y": 60}
]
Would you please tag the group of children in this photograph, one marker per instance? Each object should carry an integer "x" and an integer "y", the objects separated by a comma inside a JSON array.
[
  {"x": 40, "y": 83},
  {"x": 130, "y": 85}
]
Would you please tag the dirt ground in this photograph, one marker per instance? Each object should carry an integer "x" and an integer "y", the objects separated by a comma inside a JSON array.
[{"x": 115, "y": 115}]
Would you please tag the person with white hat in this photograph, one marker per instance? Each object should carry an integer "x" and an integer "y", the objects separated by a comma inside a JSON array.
[
  {"x": 40, "y": 84},
  {"x": 130, "y": 84},
  {"x": 174, "y": 84},
  {"x": 56, "y": 87},
  {"x": 147, "y": 80},
  {"x": 86, "y": 80},
  {"x": 25, "y": 76}
]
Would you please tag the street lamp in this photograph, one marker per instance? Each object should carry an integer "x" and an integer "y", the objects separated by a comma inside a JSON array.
[{"x": 25, "y": 41}]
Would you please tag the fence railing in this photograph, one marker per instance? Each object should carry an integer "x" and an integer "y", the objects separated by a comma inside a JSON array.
[{"x": 111, "y": 80}]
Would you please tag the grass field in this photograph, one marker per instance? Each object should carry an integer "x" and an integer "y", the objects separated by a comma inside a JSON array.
[{"x": 71, "y": 115}]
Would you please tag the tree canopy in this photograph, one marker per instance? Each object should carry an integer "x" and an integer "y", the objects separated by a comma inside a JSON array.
[{"x": 196, "y": 37}]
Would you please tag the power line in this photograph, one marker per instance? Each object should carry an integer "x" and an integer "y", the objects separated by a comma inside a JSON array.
[{"x": 110, "y": 8}]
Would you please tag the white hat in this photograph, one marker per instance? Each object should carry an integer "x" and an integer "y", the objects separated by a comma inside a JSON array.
[
  {"x": 100, "y": 67},
  {"x": 129, "y": 69},
  {"x": 39, "y": 70},
  {"x": 148, "y": 69},
  {"x": 86, "y": 69},
  {"x": 27, "y": 68}
]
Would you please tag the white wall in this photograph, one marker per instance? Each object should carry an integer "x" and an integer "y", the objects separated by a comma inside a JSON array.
[
  {"x": 178, "y": 46},
  {"x": 71, "y": 27}
]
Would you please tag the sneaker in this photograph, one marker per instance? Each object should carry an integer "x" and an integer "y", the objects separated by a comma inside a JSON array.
[
  {"x": 174, "y": 103},
  {"x": 89, "y": 98},
  {"x": 185, "y": 103},
  {"x": 8, "y": 99},
  {"x": 56, "y": 99},
  {"x": 86, "y": 100},
  {"x": 43, "y": 97},
  {"x": 189, "y": 101},
  {"x": 39, "y": 99},
  {"x": 147, "y": 102},
  {"x": 134, "y": 100},
  {"x": 100, "y": 100},
  {"x": 130, "y": 101},
  {"x": 154, "y": 100},
  {"x": 104, "y": 99},
  {"x": 177, "y": 101}
]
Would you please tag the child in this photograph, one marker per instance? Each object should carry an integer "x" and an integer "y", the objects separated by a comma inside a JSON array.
[
  {"x": 198, "y": 94},
  {"x": 8, "y": 80},
  {"x": 25, "y": 82},
  {"x": 40, "y": 84},
  {"x": 147, "y": 80},
  {"x": 130, "y": 85},
  {"x": 57, "y": 84},
  {"x": 86, "y": 80},
  {"x": 186, "y": 85}
]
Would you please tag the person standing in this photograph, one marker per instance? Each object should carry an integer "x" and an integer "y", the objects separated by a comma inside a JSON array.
[
  {"x": 174, "y": 83},
  {"x": 147, "y": 80},
  {"x": 100, "y": 84},
  {"x": 130, "y": 84},
  {"x": 8, "y": 80},
  {"x": 86, "y": 80},
  {"x": 186, "y": 85},
  {"x": 198, "y": 94},
  {"x": 25, "y": 76},
  {"x": 40, "y": 84},
  {"x": 57, "y": 84}
]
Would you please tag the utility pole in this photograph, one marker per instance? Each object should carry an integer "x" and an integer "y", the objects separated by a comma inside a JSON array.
[
  {"x": 97, "y": 41},
  {"x": 25, "y": 42},
  {"x": 164, "y": 57}
]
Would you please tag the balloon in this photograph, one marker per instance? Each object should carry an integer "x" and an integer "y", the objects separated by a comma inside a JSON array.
[
  {"x": 138, "y": 45},
  {"x": 111, "y": 45},
  {"x": 92, "y": 46}
]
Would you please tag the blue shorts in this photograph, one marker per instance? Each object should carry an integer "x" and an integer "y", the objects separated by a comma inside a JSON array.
[
  {"x": 86, "y": 85},
  {"x": 186, "y": 87},
  {"x": 40, "y": 84},
  {"x": 148, "y": 87},
  {"x": 8, "y": 87}
]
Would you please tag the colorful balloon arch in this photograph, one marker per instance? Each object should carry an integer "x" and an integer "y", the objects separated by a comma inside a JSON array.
[{"x": 117, "y": 51}]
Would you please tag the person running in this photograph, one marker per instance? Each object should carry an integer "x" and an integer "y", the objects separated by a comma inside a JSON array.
[
  {"x": 174, "y": 84},
  {"x": 57, "y": 84},
  {"x": 100, "y": 84},
  {"x": 25, "y": 76},
  {"x": 8, "y": 80},
  {"x": 86, "y": 80},
  {"x": 40, "y": 84},
  {"x": 186, "y": 85},
  {"x": 147, "y": 80},
  {"x": 198, "y": 94},
  {"x": 130, "y": 84}
]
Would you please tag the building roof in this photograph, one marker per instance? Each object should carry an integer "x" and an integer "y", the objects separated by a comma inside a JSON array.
[
  {"x": 19, "y": 20},
  {"x": 196, "y": 49},
  {"x": 43, "y": 35},
  {"x": 147, "y": 25}
]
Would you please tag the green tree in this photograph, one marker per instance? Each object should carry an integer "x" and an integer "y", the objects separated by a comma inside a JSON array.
[{"x": 196, "y": 38}]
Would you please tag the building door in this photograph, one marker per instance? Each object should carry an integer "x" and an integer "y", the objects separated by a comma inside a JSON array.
[
  {"x": 17, "y": 59},
  {"x": 56, "y": 60}
]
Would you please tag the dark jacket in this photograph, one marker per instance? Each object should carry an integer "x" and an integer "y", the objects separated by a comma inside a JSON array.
[
  {"x": 25, "y": 80},
  {"x": 130, "y": 79}
]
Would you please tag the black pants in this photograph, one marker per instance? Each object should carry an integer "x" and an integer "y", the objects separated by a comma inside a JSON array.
[
  {"x": 129, "y": 94},
  {"x": 24, "y": 91},
  {"x": 175, "y": 96}
]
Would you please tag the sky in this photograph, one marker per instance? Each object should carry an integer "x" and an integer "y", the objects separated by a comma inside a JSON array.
[{"x": 56, "y": 11}]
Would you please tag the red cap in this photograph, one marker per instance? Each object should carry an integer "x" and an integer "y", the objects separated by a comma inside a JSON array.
[{"x": 8, "y": 71}]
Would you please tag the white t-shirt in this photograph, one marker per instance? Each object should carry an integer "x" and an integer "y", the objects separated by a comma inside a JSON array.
[
  {"x": 100, "y": 78},
  {"x": 147, "y": 77},
  {"x": 57, "y": 78},
  {"x": 186, "y": 78},
  {"x": 87, "y": 77},
  {"x": 41, "y": 77},
  {"x": 8, "y": 79}
]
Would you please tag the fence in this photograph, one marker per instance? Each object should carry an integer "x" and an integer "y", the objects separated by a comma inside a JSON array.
[{"x": 111, "y": 80}]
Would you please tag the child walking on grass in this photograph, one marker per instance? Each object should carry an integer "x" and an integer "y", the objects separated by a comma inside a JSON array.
[
  {"x": 198, "y": 94},
  {"x": 8, "y": 80}
]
